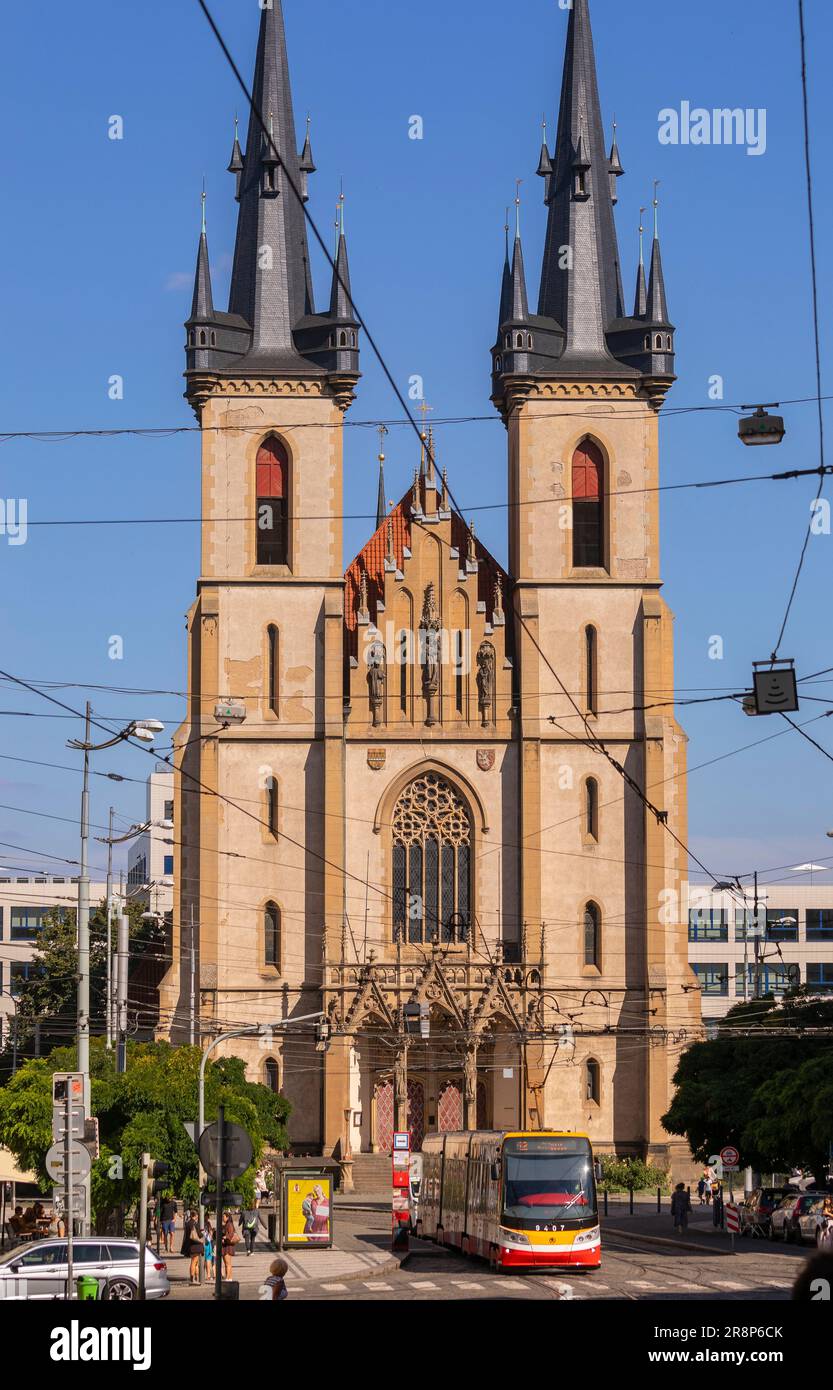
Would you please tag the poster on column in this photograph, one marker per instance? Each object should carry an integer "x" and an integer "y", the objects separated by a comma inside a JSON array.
[{"x": 307, "y": 1210}]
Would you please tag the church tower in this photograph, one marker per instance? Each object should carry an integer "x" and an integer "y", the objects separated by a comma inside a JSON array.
[
  {"x": 579, "y": 385},
  {"x": 414, "y": 795},
  {"x": 260, "y": 749}
]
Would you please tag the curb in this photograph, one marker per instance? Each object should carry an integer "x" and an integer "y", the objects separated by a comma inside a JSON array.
[{"x": 662, "y": 1240}]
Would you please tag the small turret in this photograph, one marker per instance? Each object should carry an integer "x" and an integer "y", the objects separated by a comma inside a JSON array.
[
  {"x": 614, "y": 166},
  {"x": 236, "y": 163},
  {"x": 306, "y": 164}
]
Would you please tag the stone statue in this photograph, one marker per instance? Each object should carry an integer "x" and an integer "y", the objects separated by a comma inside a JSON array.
[
  {"x": 430, "y": 653},
  {"x": 485, "y": 682},
  {"x": 376, "y": 679}
]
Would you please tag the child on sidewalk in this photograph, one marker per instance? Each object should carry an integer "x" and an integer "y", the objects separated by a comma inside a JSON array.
[{"x": 276, "y": 1281}]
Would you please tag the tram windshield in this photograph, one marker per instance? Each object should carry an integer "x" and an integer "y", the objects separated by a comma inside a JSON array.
[{"x": 548, "y": 1180}]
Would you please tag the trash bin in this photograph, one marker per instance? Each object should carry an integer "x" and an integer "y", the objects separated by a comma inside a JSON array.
[
  {"x": 230, "y": 1290},
  {"x": 87, "y": 1286}
]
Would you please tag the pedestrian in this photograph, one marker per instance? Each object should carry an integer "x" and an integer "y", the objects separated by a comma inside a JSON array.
[
  {"x": 276, "y": 1281},
  {"x": 701, "y": 1191},
  {"x": 826, "y": 1239},
  {"x": 248, "y": 1225},
  {"x": 167, "y": 1213},
  {"x": 230, "y": 1239},
  {"x": 208, "y": 1248},
  {"x": 680, "y": 1207},
  {"x": 708, "y": 1180},
  {"x": 193, "y": 1245}
]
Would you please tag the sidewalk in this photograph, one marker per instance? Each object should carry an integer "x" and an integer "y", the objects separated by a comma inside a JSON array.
[
  {"x": 357, "y": 1253},
  {"x": 648, "y": 1224}
]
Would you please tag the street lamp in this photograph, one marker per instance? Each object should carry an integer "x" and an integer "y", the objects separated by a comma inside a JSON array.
[
  {"x": 761, "y": 428},
  {"x": 145, "y": 730}
]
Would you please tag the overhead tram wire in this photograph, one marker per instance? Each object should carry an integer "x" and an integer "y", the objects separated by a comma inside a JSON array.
[
  {"x": 816, "y": 327},
  {"x": 789, "y": 475},
  {"x": 168, "y": 431}
]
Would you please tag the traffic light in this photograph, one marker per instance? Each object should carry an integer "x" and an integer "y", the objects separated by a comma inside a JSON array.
[{"x": 157, "y": 1171}]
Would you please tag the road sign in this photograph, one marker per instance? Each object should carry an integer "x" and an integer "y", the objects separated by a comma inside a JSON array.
[
  {"x": 80, "y": 1201},
  {"x": 56, "y": 1161},
  {"x": 402, "y": 1140},
  {"x": 730, "y": 1158},
  {"x": 732, "y": 1214},
  {"x": 238, "y": 1150}
]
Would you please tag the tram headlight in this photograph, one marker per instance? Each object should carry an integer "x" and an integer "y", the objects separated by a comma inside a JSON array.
[
  {"x": 507, "y": 1237},
  {"x": 591, "y": 1237}
]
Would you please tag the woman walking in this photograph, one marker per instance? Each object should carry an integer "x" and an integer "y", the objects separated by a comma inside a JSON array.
[
  {"x": 231, "y": 1238},
  {"x": 208, "y": 1249},
  {"x": 193, "y": 1245},
  {"x": 680, "y": 1207}
]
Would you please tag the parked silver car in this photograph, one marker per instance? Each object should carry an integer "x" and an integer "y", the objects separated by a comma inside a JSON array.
[
  {"x": 783, "y": 1223},
  {"x": 39, "y": 1270},
  {"x": 809, "y": 1223}
]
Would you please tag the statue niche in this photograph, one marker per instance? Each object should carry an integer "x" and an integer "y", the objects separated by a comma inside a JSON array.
[{"x": 486, "y": 683}]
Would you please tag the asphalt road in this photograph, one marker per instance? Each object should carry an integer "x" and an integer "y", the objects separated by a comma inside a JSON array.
[{"x": 631, "y": 1270}]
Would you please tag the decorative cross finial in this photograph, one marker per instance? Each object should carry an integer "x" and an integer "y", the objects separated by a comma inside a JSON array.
[
  {"x": 383, "y": 430},
  {"x": 518, "y": 183},
  {"x": 641, "y": 235},
  {"x": 424, "y": 411},
  {"x": 202, "y": 200},
  {"x": 341, "y": 205},
  {"x": 656, "y": 209}
]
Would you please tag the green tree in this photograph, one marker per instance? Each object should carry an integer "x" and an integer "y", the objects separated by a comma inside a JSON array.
[
  {"x": 768, "y": 1095},
  {"x": 141, "y": 1110}
]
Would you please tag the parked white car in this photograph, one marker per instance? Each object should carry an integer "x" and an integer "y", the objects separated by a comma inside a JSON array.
[{"x": 39, "y": 1270}]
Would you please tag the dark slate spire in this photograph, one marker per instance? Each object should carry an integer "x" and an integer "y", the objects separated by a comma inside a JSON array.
[
  {"x": 271, "y": 326},
  {"x": 581, "y": 330},
  {"x": 236, "y": 162},
  {"x": 341, "y": 303},
  {"x": 520, "y": 304},
  {"x": 657, "y": 309},
  {"x": 615, "y": 169},
  {"x": 544, "y": 169},
  {"x": 306, "y": 164},
  {"x": 202, "y": 305},
  {"x": 640, "y": 304},
  {"x": 506, "y": 282},
  {"x": 583, "y": 300}
]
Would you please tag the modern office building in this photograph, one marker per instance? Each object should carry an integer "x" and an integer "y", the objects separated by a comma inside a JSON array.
[
  {"x": 25, "y": 903},
  {"x": 150, "y": 857},
  {"x": 737, "y": 955}
]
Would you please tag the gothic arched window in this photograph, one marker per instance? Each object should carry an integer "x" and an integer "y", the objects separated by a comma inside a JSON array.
[
  {"x": 592, "y": 936},
  {"x": 273, "y": 805},
  {"x": 273, "y": 671},
  {"x": 591, "y": 669},
  {"x": 591, "y": 810},
  {"x": 593, "y": 1081},
  {"x": 272, "y": 529},
  {"x": 588, "y": 507},
  {"x": 432, "y": 861},
  {"x": 272, "y": 1074},
  {"x": 272, "y": 935}
]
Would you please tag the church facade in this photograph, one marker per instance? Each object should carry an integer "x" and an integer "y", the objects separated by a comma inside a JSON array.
[{"x": 439, "y": 800}]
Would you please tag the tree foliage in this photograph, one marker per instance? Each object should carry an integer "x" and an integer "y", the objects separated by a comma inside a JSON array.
[
  {"x": 141, "y": 1110},
  {"x": 771, "y": 1097}
]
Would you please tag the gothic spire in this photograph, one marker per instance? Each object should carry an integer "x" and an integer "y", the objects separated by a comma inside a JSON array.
[
  {"x": 583, "y": 299},
  {"x": 520, "y": 304},
  {"x": 269, "y": 285},
  {"x": 381, "y": 502},
  {"x": 640, "y": 306},
  {"x": 657, "y": 308},
  {"x": 271, "y": 326},
  {"x": 236, "y": 164},
  {"x": 614, "y": 165},
  {"x": 341, "y": 303},
  {"x": 202, "y": 305}
]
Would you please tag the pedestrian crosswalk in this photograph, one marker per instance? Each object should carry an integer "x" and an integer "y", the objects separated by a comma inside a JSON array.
[{"x": 531, "y": 1286}]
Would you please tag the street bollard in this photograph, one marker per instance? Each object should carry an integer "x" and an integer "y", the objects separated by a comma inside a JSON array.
[
  {"x": 659, "y": 1201},
  {"x": 630, "y": 1200},
  {"x": 605, "y": 1201}
]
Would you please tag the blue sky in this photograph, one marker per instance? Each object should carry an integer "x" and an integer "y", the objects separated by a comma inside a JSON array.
[{"x": 97, "y": 246}]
